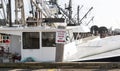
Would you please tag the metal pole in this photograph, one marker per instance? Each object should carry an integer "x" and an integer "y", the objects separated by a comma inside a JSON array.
[
  {"x": 16, "y": 12},
  {"x": 4, "y": 12},
  {"x": 9, "y": 13},
  {"x": 70, "y": 11},
  {"x": 78, "y": 14},
  {"x": 59, "y": 49},
  {"x": 23, "y": 13},
  {"x": 85, "y": 15}
]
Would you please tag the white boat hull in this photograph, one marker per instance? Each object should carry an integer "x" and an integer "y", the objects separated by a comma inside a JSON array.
[{"x": 97, "y": 49}]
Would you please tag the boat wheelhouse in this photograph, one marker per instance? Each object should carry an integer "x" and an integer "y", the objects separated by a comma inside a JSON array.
[{"x": 39, "y": 43}]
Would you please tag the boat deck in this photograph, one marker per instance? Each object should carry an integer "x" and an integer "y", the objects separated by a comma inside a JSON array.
[{"x": 61, "y": 65}]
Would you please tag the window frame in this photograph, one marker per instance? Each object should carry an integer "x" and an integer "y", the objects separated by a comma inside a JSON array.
[
  {"x": 53, "y": 38},
  {"x": 38, "y": 39}
]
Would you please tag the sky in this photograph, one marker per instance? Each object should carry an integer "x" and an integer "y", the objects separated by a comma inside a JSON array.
[{"x": 106, "y": 12}]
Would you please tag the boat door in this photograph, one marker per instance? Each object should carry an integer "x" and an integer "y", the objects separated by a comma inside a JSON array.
[
  {"x": 40, "y": 46},
  {"x": 48, "y": 45},
  {"x": 30, "y": 46}
]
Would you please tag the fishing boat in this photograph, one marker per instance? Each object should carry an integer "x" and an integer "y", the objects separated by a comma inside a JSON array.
[{"x": 52, "y": 40}]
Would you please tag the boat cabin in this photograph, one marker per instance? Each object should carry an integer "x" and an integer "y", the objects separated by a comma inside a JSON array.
[
  {"x": 36, "y": 43},
  {"x": 40, "y": 43}
]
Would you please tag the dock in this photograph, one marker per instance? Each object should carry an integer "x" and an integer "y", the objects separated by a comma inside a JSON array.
[{"x": 61, "y": 65}]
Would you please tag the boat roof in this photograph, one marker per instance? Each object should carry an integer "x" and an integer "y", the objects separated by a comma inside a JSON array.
[
  {"x": 81, "y": 28},
  {"x": 39, "y": 28},
  {"x": 19, "y": 30},
  {"x": 28, "y": 29}
]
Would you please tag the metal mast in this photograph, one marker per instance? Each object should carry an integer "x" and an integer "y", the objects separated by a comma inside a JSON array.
[
  {"x": 16, "y": 11},
  {"x": 3, "y": 10},
  {"x": 22, "y": 12},
  {"x": 19, "y": 5},
  {"x": 32, "y": 11},
  {"x": 9, "y": 13},
  {"x": 70, "y": 11},
  {"x": 78, "y": 10}
]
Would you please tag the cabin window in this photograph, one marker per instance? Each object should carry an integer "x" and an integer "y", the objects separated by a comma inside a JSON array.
[
  {"x": 30, "y": 40},
  {"x": 48, "y": 39}
]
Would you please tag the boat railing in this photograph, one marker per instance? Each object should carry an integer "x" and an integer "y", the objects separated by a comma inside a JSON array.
[{"x": 90, "y": 46}]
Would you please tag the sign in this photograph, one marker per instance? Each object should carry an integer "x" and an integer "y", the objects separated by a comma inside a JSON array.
[{"x": 61, "y": 36}]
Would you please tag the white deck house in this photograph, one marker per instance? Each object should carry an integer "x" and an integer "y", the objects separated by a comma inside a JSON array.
[{"x": 33, "y": 42}]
